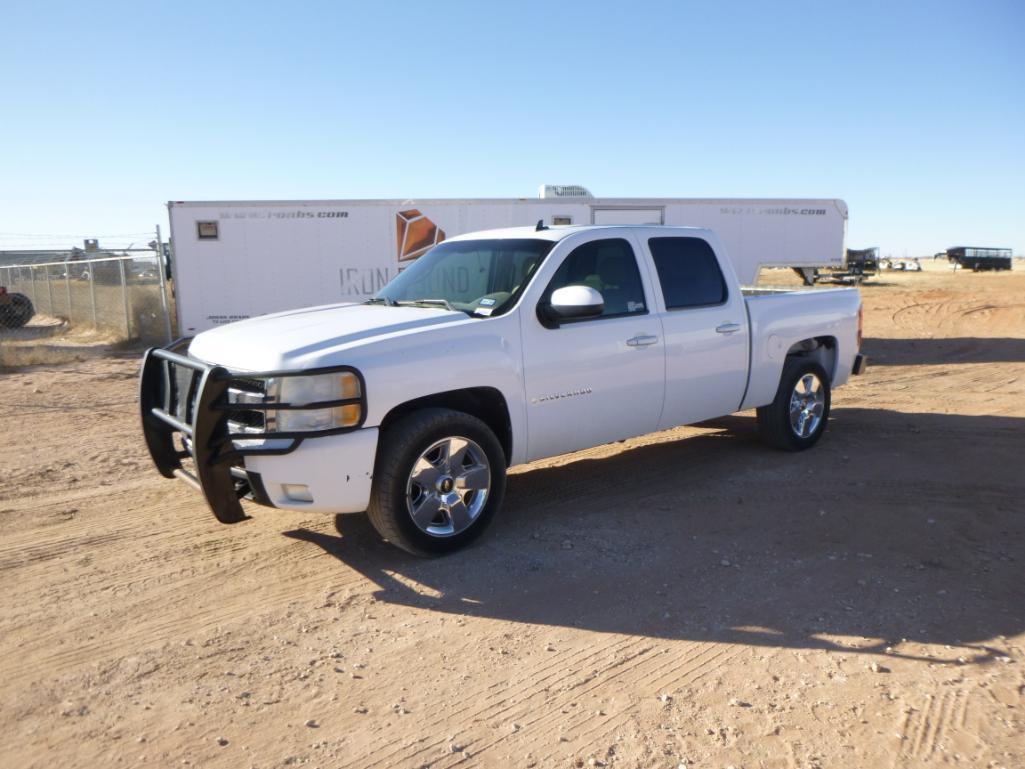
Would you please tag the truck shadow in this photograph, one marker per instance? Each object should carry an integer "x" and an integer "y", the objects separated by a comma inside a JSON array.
[
  {"x": 896, "y": 526},
  {"x": 917, "y": 352}
]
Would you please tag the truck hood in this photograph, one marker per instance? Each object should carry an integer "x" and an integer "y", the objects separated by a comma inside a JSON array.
[{"x": 301, "y": 338}]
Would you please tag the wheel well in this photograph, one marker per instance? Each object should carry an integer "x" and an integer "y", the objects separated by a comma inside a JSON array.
[
  {"x": 485, "y": 403},
  {"x": 821, "y": 349}
]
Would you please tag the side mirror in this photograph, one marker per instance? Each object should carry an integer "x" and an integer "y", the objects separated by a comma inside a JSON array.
[{"x": 576, "y": 302}]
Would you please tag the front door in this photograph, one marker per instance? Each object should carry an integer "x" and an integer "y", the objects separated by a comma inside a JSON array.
[{"x": 594, "y": 380}]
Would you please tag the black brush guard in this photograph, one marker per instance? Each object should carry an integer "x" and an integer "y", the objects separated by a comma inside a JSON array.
[{"x": 184, "y": 396}]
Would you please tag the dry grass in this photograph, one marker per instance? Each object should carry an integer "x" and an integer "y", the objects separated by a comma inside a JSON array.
[{"x": 66, "y": 346}]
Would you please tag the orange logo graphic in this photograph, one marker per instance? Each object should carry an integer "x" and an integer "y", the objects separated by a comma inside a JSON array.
[{"x": 414, "y": 234}]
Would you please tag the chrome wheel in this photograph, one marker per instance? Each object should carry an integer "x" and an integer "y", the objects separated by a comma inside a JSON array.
[
  {"x": 807, "y": 402},
  {"x": 448, "y": 486}
]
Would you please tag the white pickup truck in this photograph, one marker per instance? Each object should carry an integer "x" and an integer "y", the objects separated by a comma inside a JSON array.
[{"x": 493, "y": 349}]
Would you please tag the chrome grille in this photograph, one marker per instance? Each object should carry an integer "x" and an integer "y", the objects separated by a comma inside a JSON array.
[{"x": 244, "y": 390}]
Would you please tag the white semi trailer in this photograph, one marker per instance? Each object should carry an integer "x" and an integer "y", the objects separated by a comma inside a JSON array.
[{"x": 238, "y": 259}]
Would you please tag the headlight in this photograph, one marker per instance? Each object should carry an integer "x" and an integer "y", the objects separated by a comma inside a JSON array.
[{"x": 312, "y": 390}]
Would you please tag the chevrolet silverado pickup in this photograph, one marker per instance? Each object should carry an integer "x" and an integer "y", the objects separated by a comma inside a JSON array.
[{"x": 493, "y": 349}]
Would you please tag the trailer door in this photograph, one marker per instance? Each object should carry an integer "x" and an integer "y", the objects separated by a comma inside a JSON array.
[{"x": 627, "y": 215}]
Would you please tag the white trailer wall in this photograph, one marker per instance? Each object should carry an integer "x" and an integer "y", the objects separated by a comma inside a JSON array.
[{"x": 234, "y": 260}]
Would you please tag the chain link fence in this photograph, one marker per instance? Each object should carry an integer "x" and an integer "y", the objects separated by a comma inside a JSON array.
[{"x": 126, "y": 295}]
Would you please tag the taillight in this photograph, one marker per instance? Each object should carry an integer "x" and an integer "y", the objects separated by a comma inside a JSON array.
[{"x": 861, "y": 315}]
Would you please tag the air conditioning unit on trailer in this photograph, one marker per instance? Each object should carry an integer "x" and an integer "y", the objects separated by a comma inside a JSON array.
[{"x": 563, "y": 191}]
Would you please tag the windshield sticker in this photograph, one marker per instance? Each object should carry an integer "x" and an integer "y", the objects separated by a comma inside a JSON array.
[
  {"x": 634, "y": 306},
  {"x": 487, "y": 302}
]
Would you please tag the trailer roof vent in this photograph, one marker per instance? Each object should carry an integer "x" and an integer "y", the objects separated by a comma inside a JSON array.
[{"x": 563, "y": 191}]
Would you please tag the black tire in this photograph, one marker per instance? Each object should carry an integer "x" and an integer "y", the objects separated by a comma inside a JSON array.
[
  {"x": 399, "y": 449},
  {"x": 774, "y": 420},
  {"x": 17, "y": 312}
]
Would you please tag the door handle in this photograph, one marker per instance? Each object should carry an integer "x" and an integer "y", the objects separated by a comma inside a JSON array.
[
  {"x": 728, "y": 328},
  {"x": 642, "y": 340}
]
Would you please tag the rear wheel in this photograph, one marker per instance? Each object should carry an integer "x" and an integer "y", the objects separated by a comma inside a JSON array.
[
  {"x": 438, "y": 480},
  {"x": 797, "y": 417}
]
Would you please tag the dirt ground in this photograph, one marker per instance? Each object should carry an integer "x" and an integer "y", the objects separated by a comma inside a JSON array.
[{"x": 690, "y": 598}]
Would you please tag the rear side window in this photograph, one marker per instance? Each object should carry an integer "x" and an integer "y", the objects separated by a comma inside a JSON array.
[
  {"x": 688, "y": 271},
  {"x": 608, "y": 266}
]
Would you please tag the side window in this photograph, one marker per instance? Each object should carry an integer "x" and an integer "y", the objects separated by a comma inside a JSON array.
[
  {"x": 608, "y": 266},
  {"x": 688, "y": 271}
]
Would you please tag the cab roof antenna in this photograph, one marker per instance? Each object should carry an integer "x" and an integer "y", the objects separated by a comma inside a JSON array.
[{"x": 540, "y": 225}]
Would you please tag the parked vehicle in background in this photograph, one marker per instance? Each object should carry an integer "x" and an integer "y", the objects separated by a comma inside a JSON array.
[
  {"x": 493, "y": 349},
  {"x": 978, "y": 258},
  {"x": 860, "y": 264},
  {"x": 15, "y": 309},
  {"x": 901, "y": 265},
  {"x": 235, "y": 260},
  {"x": 863, "y": 261}
]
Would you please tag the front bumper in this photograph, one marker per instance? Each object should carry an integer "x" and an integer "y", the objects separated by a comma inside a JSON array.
[
  {"x": 337, "y": 470},
  {"x": 185, "y": 414}
]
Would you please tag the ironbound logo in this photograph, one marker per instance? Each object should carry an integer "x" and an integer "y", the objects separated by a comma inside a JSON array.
[
  {"x": 414, "y": 234},
  {"x": 559, "y": 396}
]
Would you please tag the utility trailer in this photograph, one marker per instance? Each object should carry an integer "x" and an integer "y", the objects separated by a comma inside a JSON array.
[{"x": 233, "y": 260}]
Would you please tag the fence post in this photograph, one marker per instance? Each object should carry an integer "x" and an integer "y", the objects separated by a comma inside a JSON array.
[
  {"x": 67, "y": 289},
  {"x": 49, "y": 289},
  {"x": 163, "y": 287},
  {"x": 124, "y": 298},
  {"x": 32, "y": 274},
  {"x": 92, "y": 290}
]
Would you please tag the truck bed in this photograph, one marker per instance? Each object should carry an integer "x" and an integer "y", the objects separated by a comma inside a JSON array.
[{"x": 781, "y": 313}]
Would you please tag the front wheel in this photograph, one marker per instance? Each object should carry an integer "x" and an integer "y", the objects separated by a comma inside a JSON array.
[
  {"x": 797, "y": 417},
  {"x": 438, "y": 480}
]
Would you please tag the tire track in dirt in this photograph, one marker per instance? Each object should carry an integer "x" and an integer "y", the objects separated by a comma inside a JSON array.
[
  {"x": 222, "y": 570},
  {"x": 642, "y": 669},
  {"x": 925, "y": 730},
  {"x": 700, "y": 663},
  {"x": 534, "y": 683}
]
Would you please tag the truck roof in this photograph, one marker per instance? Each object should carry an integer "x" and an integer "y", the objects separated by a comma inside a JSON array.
[{"x": 557, "y": 232}]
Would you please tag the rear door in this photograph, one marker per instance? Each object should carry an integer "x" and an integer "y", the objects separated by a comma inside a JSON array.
[
  {"x": 593, "y": 380},
  {"x": 707, "y": 334}
]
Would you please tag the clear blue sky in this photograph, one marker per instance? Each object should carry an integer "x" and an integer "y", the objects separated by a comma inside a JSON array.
[{"x": 914, "y": 113}]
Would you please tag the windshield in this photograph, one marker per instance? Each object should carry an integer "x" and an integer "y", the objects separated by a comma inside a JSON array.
[{"x": 479, "y": 277}]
